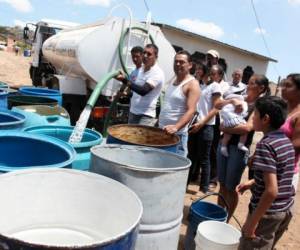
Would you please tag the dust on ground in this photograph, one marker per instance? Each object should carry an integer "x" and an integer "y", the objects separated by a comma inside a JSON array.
[{"x": 14, "y": 70}]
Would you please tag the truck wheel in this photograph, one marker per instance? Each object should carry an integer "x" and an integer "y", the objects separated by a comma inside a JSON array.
[{"x": 35, "y": 77}]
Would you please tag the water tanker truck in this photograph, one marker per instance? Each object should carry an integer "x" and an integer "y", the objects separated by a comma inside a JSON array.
[{"x": 80, "y": 56}]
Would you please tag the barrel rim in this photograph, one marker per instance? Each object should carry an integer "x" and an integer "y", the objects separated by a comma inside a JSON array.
[
  {"x": 19, "y": 98},
  {"x": 90, "y": 175},
  {"x": 3, "y": 92},
  {"x": 136, "y": 168},
  {"x": 20, "y": 118},
  {"x": 199, "y": 230},
  {"x": 193, "y": 210},
  {"x": 61, "y": 144},
  {"x": 98, "y": 137},
  {"x": 43, "y": 91},
  {"x": 147, "y": 127}
]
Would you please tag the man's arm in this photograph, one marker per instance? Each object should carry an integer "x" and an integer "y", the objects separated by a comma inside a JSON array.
[
  {"x": 141, "y": 90},
  {"x": 192, "y": 95}
]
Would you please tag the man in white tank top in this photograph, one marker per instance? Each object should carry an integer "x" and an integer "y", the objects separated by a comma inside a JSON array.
[{"x": 180, "y": 101}]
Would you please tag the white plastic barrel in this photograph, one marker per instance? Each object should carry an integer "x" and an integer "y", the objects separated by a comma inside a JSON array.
[
  {"x": 159, "y": 179},
  {"x": 52, "y": 209},
  {"x": 216, "y": 235}
]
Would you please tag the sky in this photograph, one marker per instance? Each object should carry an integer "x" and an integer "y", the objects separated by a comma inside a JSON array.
[{"x": 229, "y": 21}]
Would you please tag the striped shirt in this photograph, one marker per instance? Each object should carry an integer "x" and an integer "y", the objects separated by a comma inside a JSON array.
[{"x": 274, "y": 154}]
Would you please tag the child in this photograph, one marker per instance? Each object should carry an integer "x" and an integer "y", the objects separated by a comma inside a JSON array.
[
  {"x": 231, "y": 119},
  {"x": 272, "y": 190}
]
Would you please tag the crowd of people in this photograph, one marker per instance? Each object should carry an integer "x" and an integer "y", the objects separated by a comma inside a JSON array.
[{"x": 215, "y": 121}]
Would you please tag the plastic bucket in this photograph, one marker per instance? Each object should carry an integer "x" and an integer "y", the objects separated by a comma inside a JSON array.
[
  {"x": 44, "y": 92},
  {"x": 37, "y": 115},
  {"x": 217, "y": 235},
  {"x": 90, "y": 138},
  {"x": 21, "y": 150},
  {"x": 17, "y": 100},
  {"x": 27, "y": 53},
  {"x": 159, "y": 179},
  {"x": 11, "y": 120},
  {"x": 201, "y": 211},
  {"x": 59, "y": 209},
  {"x": 3, "y": 99},
  {"x": 140, "y": 135}
]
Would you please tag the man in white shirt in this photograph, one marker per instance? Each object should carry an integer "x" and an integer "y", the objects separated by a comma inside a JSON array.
[
  {"x": 237, "y": 85},
  {"x": 180, "y": 102},
  {"x": 146, "y": 88}
]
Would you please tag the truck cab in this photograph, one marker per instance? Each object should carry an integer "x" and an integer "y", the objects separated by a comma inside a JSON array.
[{"x": 40, "y": 67}]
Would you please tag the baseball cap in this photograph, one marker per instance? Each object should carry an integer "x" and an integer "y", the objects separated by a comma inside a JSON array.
[{"x": 214, "y": 53}]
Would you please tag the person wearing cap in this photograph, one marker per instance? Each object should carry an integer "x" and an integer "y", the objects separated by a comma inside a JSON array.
[{"x": 212, "y": 57}]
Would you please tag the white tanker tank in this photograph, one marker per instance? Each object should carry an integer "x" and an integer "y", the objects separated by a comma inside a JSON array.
[{"x": 84, "y": 54}]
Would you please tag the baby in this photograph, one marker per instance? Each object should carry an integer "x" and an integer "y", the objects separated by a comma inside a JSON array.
[{"x": 231, "y": 119}]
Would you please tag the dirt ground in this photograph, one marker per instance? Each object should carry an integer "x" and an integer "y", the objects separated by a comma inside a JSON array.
[{"x": 14, "y": 70}]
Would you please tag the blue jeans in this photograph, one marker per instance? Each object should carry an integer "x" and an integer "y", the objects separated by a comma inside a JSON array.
[
  {"x": 182, "y": 145},
  {"x": 231, "y": 168},
  {"x": 199, "y": 153},
  {"x": 141, "y": 119}
]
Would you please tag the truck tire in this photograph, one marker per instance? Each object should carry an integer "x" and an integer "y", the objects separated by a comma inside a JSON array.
[{"x": 35, "y": 76}]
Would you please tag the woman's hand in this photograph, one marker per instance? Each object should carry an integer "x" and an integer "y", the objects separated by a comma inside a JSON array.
[
  {"x": 196, "y": 127},
  {"x": 220, "y": 104},
  {"x": 238, "y": 104}
]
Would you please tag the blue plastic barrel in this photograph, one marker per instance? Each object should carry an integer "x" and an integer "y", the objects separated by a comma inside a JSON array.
[
  {"x": 38, "y": 115},
  {"x": 90, "y": 138},
  {"x": 21, "y": 150},
  {"x": 201, "y": 211},
  {"x": 3, "y": 99},
  {"x": 27, "y": 52},
  {"x": 10, "y": 120},
  {"x": 17, "y": 100},
  {"x": 35, "y": 91},
  {"x": 129, "y": 134},
  {"x": 3, "y": 85}
]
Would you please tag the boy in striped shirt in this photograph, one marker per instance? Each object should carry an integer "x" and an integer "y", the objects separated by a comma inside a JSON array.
[{"x": 272, "y": 190}]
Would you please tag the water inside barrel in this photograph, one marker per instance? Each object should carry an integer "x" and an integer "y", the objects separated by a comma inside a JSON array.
[{"x": 143, "y": 135}]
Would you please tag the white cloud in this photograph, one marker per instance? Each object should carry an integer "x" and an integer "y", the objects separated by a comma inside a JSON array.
[
  {"x": 260, "y": 31},
  {"x": 294, "y": 2},
  {"x": 19, "y": 5},
  {"x": 208, "y": 29},
  {"x": 104, "y": 3},
  {"x": 19, "y": 23}
]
